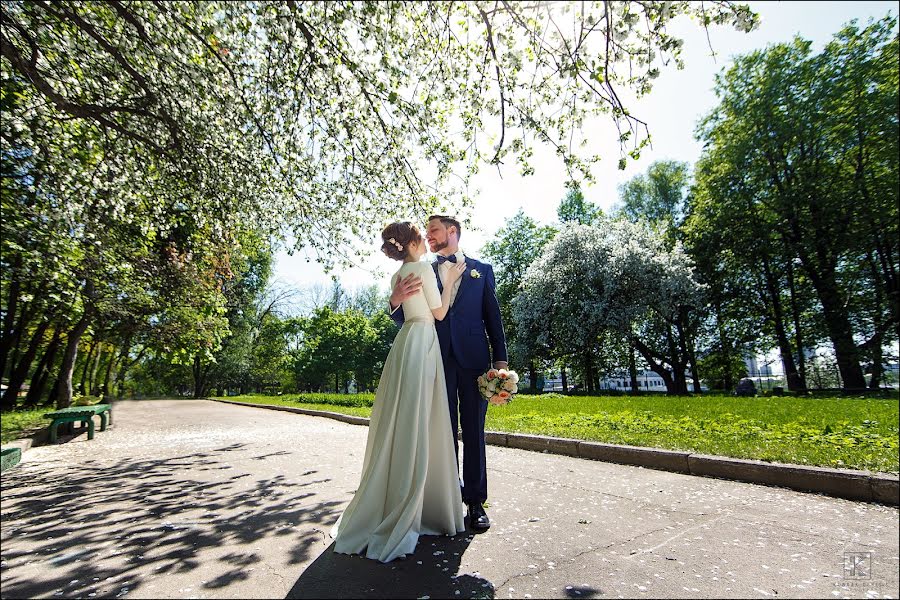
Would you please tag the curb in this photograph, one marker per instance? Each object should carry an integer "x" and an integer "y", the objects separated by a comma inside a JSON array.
[
  {"x": 841, "y": 483},
  {"x": 15, "y": 449},
  {"x": 38, "y": 438}
]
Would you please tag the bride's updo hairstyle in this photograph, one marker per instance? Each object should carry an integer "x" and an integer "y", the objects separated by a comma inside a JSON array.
[{"x": 397, "y": 237}]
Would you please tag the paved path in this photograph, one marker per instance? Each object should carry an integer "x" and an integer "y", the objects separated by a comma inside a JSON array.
[{"x": 185, "y": 498}]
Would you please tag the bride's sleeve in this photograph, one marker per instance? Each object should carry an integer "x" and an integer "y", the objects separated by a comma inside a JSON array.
[{"x": 429, "y": 287}]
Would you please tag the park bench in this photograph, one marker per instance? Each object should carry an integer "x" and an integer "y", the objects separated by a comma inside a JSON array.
[{"x": 82, "y": 414}]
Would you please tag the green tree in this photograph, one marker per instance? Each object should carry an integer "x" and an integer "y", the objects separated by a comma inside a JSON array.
[
  {"x": 575, "y": 209},
  {"x": 801, "y": 139},
  {"x": 658, "y": 196},
  {"x": 252, "y": 310},
  {"x": 514, "y": 248},
  {"x": 335, "y": 346},
  {"x": 380, "y": 333}
]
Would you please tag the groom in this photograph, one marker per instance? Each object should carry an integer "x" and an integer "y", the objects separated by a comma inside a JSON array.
[{"x": 473, "y": 319}]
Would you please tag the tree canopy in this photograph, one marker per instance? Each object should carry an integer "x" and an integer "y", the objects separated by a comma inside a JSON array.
[
  {"x": 798, "y": 185},
  {"x": 320, "y": 119}
]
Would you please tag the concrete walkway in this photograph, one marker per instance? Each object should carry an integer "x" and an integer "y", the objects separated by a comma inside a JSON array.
[{"x": 185, "y": 498}]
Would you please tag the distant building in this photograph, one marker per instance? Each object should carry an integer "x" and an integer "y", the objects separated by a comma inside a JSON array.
[
  {"x": 648, "y": 381},
  {"x": 754, "y": 369}
]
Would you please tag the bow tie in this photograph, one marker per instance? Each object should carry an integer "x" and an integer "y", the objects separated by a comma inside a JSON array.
[{"x": 442, "y": 259}]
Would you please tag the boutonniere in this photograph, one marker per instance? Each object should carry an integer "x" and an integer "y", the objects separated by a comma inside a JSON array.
[{"x": 474, "y": 274}]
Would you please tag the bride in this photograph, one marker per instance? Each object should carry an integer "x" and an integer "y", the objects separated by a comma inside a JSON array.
[{"x": 410, "y": 479}]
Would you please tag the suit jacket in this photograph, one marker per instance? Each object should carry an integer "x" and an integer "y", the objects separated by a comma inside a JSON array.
[{"x": 472, "y": 321}]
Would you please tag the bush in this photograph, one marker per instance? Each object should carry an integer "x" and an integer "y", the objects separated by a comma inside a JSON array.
[{"x": 358, "y": 400}]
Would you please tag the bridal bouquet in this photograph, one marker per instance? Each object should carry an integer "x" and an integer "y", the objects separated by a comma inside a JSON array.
[{"x": 498, "y": 386}]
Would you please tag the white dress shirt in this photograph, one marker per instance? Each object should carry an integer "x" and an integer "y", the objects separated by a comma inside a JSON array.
[{"x": 444, "y": 268}]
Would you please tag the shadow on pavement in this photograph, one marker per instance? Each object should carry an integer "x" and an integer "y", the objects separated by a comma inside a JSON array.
[
  {"x": 109, "y": 525},
  {"x": 580, "y": 591},
  {"x": 430, "y": 571}
]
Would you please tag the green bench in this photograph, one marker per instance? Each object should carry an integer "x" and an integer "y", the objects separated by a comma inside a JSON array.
[
  {"x": 82, "y": 414},
  {"x": 9, "y": 457}
]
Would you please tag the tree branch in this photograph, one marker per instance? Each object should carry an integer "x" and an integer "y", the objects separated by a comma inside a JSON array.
[{"x": 490, "y": 42}]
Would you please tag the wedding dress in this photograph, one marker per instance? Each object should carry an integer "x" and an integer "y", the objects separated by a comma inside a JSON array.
[{"x": 410, "y": 478}]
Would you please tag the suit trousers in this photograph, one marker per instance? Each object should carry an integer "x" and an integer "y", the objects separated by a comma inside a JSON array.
[{"x": 468, "y": 410}]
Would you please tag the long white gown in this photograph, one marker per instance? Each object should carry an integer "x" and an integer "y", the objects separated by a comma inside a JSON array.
[{"x": 410, "y": 479}]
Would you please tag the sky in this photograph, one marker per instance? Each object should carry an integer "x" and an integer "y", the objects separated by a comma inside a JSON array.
[{"x": 672, "y": 109}]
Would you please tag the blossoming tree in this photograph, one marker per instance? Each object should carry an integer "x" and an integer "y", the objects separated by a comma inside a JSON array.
[
  {"x": 611, "y": 278},
  {"x": 193, "y": 123}
]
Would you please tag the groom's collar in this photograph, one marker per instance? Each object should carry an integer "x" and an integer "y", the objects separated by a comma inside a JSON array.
[{"x": 460, "y": 256}]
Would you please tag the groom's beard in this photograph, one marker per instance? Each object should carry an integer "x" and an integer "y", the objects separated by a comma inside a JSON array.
[{"x": 437, "y": 247}]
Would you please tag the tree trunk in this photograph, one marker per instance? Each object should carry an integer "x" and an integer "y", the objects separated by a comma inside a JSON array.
[
  {"x": 13, "y": 359},
  {"x": 821, "y": 273},
  {"x": 109, "y": 366},
  {"x": 727, "y": 382},
  {"x": 657, "y": 367},
  {"x": 687, "y": 349},
  {"x": 86, "y": 366},
  {"x": 122, "y": 362},
  {"x": 532, "y": 378},
  {"x": 877, "y": 367},
  {"x": 9, "y": 318},
  {"x": 876, "y": 341},
  {"x": 125, "y": 365},
  {"x": 632, "y": 369},
  {"x": 678, "y": 377},
  {"x": 776, "y": 317},
  {"x": 589, "y": 372},
  {"x": 565, "y": 379},
  {"x": 199, "y": 377},
  {"x": 42, "y": 373},
  {"x": 19, "y": 371},
  {"x": 92, "y": 377},
  {"x": 64, "y": 397},
  {"x": 840, "y": 331},
  {"x": 798, "y": 332}
]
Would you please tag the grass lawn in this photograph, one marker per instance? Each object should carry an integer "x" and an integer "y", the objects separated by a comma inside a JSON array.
[
  {"x": 22, "y": 423},
  {"x": 854, "y": 433}
]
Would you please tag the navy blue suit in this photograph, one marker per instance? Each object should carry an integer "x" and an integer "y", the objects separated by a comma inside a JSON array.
[{"x": 472, "y": 321}]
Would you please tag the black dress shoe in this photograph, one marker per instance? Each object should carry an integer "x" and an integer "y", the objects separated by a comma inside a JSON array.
[{"x": 478, "y": 519}]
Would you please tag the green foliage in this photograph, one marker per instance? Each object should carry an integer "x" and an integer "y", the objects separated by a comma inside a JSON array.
[
  {"x": 338, "y": 346},
  {"x": 657, "y": 197},
  {"x": 721, "y": 368},
  {"x": 513, "y": 249},
  {"x": 795, "y": 207},
  {"x": 309, "y": 108},
  {"x": 575, "y": 209}
]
